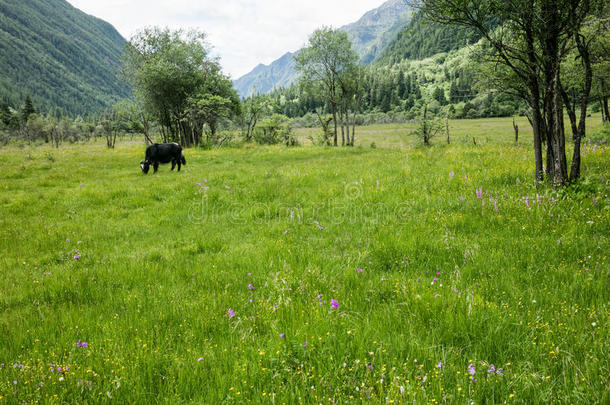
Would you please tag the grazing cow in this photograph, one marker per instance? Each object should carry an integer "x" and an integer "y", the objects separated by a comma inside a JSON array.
[{"x": 161, "y": 153}]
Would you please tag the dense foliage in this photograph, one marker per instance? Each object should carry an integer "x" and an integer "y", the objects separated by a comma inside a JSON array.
[
  {"x": 421, "y": 39},
  {"x": 63, "y": 58},
  {"x": 179, "y": 84}
]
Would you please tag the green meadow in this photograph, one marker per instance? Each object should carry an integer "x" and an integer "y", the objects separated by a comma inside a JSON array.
[{"x": 387, "y": 274}]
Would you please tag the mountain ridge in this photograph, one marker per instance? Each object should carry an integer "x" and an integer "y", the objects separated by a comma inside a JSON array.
[{"x": 370, "y": 35}]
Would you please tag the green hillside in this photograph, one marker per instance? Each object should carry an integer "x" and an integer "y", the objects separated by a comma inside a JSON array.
[
  {"x": 60, "y": 56},
  {"x": 421, "y": 39}
]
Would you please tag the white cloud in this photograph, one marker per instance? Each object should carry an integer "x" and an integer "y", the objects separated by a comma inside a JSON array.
[{"x": 243, "y": 33}]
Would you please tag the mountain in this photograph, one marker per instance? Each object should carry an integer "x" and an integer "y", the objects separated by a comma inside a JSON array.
[
  {"x": 370, "y": 35},
  {"x": 59, "y": 56},
  {"x": 377, "y": 28},
  {"x": 265, "y": 78},
  {"x": 422, "y": 39}
]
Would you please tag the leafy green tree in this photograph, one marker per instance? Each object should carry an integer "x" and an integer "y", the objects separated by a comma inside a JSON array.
[
  {"x": 530, "y": 43},
  {"x": 324, "y": 64},
  {"x": 177, "y": 81},
  {"x": 255, "y": 108},
  {"x": 214, "y": 101},
  {"x": 439, "y": 95}
]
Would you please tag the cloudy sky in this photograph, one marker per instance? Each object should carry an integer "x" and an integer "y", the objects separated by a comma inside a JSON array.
[{"x": 243, "y": 33}]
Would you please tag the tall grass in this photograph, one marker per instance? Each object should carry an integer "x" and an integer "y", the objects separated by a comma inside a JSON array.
[{"x": 214, "y": 285}]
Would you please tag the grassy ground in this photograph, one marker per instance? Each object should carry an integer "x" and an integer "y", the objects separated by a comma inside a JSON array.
[{"x": 274, "y": 275}]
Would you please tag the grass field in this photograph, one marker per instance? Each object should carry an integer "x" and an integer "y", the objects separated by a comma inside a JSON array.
[{"x": 396, "y": 274}]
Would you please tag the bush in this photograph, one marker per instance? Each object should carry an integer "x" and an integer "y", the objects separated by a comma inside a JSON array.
[{"x": 274, "y": 130}]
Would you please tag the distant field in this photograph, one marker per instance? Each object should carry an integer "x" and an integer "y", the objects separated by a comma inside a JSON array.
[
  {"x": 396, "y": 274},
  {"x": 494, "y": 130}
]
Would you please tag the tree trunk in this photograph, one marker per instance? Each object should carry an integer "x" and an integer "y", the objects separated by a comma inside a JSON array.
[
  {"x": 578, "y": 132},
  {"x": 342, "y": 119},
  {"x": 335, "y": 120},
  {"x": 536, "y": 121},
  {"x": 516, "y": 128},
  {"x": 347, "y": 126},
  {"x": 447, "y": 130}
]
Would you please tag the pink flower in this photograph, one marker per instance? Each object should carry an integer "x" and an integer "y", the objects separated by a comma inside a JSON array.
[
  {"x": 471, "y": 369},
  {"x": 359, "y": 270},
  {"x": 199, "y": 359},
  {"x": 334, "y": 303},
  {"x": 231, "y": 313}
]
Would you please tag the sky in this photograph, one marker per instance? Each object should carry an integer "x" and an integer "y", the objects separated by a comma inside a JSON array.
[{"x": 243, "y": 33}]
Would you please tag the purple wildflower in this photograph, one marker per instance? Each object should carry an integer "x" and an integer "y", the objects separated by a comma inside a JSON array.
[
  {"x": 370, "y": 366},
  {"x": 231, "y": 313},
  {"x": 527, "y": 201},
  {"x": 492, "y": 369},
  {"x": 495, "y": 206},
  {"x": 228, "y": 187},
  {"x": 359, "y": 270},
  {"x": 462, "y": 198},
  {"x": 199, "y": 359},
  {"x": 304, "y": 344},
  {"x": 499, "y": 371},
  {"x": 15, "y": 382},
  {"x": 76, "y": 255},
  {"x": 439, "y": 365},
  {"x": 68, "y": 240},
  {"x": 282, "y": 335},
  {"x": 334, "y": 303},
  {"x": 471, "y": 369},
  {"x": 451, "y": 175},
  {"x": 250, "y": 287},
  {"x": 80, "y": 343},
  {"x": 434, "y": 280}
]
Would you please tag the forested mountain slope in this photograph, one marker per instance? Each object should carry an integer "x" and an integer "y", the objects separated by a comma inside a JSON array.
[
  {"x": 59, "y": 56},
  {"x": 421, "y": 39}
]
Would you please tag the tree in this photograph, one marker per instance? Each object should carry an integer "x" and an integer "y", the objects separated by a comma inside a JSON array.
[
  {"x": 214, "y": 101},
  {"x": 27, "y": 110},
  {"x": 531, "y": 41},
  {"x": 178, "y": 82},
  {"x": 428, "y": 128},
  {"x": 5, "y": 113},
  {"x": 255, "y": 107},
  {"x": 324, "y": 65}
]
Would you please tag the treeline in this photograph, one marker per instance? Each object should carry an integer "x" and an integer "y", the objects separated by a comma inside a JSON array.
[{"x": 446, "y": 83}]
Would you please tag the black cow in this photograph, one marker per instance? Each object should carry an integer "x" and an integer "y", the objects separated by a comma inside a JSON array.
[{"x": 161, "y": 153}]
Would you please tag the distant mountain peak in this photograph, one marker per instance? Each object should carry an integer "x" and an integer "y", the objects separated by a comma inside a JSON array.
[{"x": 370, "y": 35}]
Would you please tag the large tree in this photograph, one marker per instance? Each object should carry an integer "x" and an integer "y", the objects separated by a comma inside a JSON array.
[
  {"x": 326, "y": 67},
  {"x": 173, "y": 75},
  {"x": 530, "y": 39}
]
